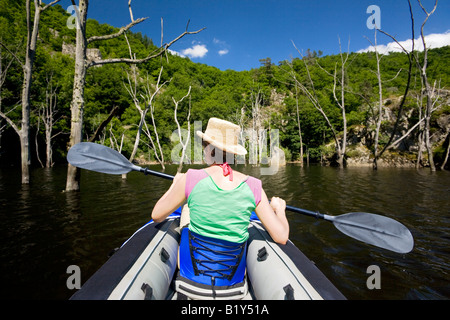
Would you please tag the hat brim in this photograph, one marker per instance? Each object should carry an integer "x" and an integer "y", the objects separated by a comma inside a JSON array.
[{"x": 235, "y": 149}]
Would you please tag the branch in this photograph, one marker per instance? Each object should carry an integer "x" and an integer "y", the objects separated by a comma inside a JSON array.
[
  {"x": 314, "y": 99},
  {"x": 425, "y": 11},
  {"x": 412, "y": 32},
  {"x": 49, "y": 5},
  {"x": 396, "y": 142},
  {"x": 307, "y": 70},
  {"x": 158, "y": 87},
  {"x": 117, "y": 34},
  {"x": 131, "y": 11},
  {"x": 57, "y": 134},
  {"x": 103, "y": 124},
  {"x": 12, "y": 54},
  {"x": 425, "y": 50},
  {"x": 4, "y": 71},
  {"x": 176, "y": 118},
  {"x": 10, "y": 122},
  {"x": 152, "y": 55},
  {"x": 179, "y": 101}
]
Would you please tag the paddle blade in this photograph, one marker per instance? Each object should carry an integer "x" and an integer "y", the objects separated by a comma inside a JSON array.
[
  {"x": 375, "y": 229},
  {"x": 99, "y": 158}
]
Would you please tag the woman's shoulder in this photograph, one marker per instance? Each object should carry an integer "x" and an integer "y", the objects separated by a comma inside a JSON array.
[
  {"x": 195, "y": 173},
  {"x": 252, "y": 181}
]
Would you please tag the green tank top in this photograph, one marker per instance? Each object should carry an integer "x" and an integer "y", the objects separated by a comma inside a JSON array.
[{"x": 218, "y": 213}]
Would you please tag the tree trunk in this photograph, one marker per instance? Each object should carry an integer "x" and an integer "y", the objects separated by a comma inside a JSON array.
[
  {"x": 48, "y": 143},
  {"x": 77, "y": 105},
  {"x": 344, "y": 117},
  {"x": 298, "y": 121},
  {"x": 428, "y": 111},
  {"x": 186, "y": 143},
  {"x": 26, "y": 88},
  {"x": 447, "y": 153},
  {"x": 429, "y": 92},
  {"x": 380, "y": 108}
]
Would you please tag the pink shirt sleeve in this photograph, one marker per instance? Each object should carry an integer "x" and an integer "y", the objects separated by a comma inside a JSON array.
[
  {"x": 192, "y": 178},
  {"x": 256, "y": 187}
]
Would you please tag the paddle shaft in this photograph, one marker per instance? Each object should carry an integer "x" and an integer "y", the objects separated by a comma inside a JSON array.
[
  {"x": 313, "y": 214},
  {"x": 154, "y": 173}
]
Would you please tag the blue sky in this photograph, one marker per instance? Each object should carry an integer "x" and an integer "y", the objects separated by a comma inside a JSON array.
[{"x": 240, "y": 32}]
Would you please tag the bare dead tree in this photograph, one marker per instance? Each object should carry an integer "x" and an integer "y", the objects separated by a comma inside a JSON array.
[
  {"x": 47, "y": 113},
  {"x": 82, "y": 64},
  {"x": 429, "y": 92},
  {"x": 378, "y": 115},
  {"x": 113, "y": 140},
  {"x": 292, "y": 80},
  {"x": 310, "y": 93},
  {"x": 145, "y": 98},
  {"x": 341, "y": 148},
  {"x": 30, "y": 53},
  {"x": 255, "y": 133},
  {"x": 185, "y": 143},
  {"x": 298, "y": 117},
  {"x": 419, "y": 123}
]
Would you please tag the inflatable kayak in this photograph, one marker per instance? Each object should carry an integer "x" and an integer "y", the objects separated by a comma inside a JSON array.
[{"x": 145, "y": 268}]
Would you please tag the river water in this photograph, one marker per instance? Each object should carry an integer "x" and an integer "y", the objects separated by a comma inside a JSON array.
[{"x": 44, "y": 230}]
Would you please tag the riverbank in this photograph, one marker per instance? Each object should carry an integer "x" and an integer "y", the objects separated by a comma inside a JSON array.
[{"x": 389, "y": 161}]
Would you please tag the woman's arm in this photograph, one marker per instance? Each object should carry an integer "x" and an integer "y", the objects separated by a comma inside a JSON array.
[
  {"x": 171, "y": 200},
  {"x": 273, "y": 217}
]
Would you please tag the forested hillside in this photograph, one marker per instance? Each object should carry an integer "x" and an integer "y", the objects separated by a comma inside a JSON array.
[{"x": 303, "y": 98}]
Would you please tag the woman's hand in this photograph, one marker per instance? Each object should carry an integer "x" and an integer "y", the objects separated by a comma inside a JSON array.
[{"x": 273, "y": 216}]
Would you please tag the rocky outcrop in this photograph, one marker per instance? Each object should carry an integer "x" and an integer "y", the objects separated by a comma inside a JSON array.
[
  {"x": 404, "y": 153},
  {"x": 91, "y": 53}
]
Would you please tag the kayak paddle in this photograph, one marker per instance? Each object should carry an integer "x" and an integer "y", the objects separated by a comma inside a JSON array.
[{"x": 370, "y": 228}]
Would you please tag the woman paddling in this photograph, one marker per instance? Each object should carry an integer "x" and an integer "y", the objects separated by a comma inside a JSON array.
[{"x": 220, "y": 202}]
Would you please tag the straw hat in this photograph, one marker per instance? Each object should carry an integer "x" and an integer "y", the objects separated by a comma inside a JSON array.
[{"x": 223, "y": 135}]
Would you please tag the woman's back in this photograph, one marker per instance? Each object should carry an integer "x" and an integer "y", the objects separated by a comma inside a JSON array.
[
  {"x": 221, "y": 209},
  {"x": 224, "y": 182}
]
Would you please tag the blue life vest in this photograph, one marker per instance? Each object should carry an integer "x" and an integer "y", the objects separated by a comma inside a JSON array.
[{"x": 213, "y": 262}]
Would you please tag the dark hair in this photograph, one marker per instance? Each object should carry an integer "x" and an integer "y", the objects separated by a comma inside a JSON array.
[{"x": 213, "y": 152}]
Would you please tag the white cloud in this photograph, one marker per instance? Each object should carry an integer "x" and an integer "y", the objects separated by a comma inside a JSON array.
[
  {"x": 222, "y": 45},
  {"x": 197, "y": 51},
  {"x": 176, "y": 53},
  {"x": 435, "y": 40},
  {"x": 223, "y": 52}
]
